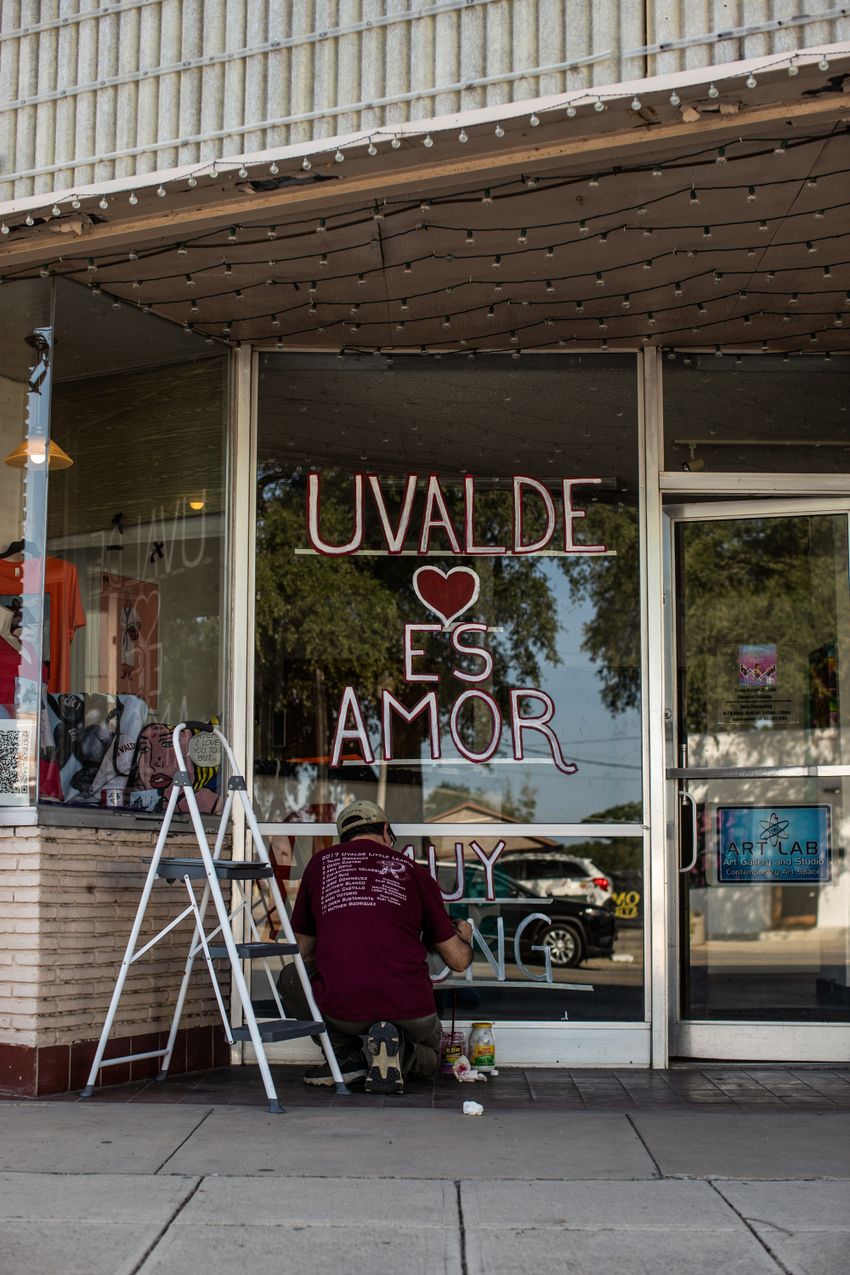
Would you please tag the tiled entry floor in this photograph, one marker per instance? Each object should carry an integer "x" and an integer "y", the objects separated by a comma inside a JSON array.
[{"x": 516, "y": 1088}]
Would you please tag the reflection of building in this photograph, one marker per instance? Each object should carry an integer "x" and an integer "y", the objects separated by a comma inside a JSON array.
[
  {"x": 545, "y": 328},
  {"x": 472, "y": 812}
]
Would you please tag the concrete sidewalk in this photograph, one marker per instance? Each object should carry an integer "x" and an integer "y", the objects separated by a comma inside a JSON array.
[{"x": 113, "y": 1188}]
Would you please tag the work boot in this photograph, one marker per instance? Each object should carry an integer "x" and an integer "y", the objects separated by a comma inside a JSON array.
[
  {"x": 383, "y": 1053},
  {"x": 352, "y": 1067}
]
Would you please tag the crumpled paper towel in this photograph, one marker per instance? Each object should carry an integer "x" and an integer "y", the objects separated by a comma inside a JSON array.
[
  {"x": 473, "y": 1109},
  {"x": 464, "y": 1070}
]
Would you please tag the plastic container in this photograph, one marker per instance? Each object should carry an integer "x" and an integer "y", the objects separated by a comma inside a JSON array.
[{"x": 482, "y": 1047}]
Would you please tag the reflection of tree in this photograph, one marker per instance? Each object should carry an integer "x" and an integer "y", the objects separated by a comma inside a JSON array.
[
  {"x": 610, "y": 586},
  {"x": 751, "y": 581}
]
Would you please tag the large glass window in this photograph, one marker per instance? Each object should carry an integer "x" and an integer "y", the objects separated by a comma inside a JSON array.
[
  {"x": 754, "y": 413},
  {"x": 135, "y": 536},
  {"x": 448, "y": 622},
  {"x": 26, "y": 655}
]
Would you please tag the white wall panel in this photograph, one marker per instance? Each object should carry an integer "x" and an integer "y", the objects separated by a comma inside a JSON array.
[
  {"x": 94, "y": 89},
  {"x": 669, "y": 20}
]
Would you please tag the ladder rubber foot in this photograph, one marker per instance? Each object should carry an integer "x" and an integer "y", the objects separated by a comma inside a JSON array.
[
  {"x": 87, "y": 1092},
  {"x": 342, "y": 1088},
  {"x": 161, "y": 1075},
  {"x": 276, "y": 1109}
]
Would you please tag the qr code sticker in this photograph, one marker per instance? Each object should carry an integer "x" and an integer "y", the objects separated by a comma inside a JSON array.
[{"x": 15, "y": 746}]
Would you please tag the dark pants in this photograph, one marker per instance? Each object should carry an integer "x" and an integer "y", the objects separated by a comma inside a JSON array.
[{"x": 421, "y": 1052}]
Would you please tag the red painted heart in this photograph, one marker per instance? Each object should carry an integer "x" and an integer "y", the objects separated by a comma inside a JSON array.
[{"x": 447, "y": 593}]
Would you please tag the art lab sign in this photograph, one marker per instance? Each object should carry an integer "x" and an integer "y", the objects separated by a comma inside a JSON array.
[
  {"x": 447, "y": 595},
  {"x": 780, "y": 845}
]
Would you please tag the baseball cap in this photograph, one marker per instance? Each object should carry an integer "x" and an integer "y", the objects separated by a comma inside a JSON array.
[{"x": 359, "y": 814}]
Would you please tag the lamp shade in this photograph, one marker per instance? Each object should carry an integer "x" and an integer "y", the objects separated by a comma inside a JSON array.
[{"x": 33, "y": 450}]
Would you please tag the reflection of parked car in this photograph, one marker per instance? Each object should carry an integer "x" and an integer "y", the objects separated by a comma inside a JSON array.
[
  {"x": 576, "y": 929},
  {"x": 558, "y": 874}
]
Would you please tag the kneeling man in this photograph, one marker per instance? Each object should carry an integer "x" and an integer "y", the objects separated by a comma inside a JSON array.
[{"x": 365, "y": 918}]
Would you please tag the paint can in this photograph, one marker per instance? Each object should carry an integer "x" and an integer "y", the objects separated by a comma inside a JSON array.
[{"x": 452, "y": 1046}]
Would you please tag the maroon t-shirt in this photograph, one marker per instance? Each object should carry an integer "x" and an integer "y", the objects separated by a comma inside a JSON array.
[{"x": 373, "y": 913}]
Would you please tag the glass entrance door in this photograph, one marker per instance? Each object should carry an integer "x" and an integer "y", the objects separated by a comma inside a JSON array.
[{"x": 760, "y": 781}]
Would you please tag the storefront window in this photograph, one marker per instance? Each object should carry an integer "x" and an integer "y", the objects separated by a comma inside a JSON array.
[
  {"x": 135, "y": 539},
  {"x": 755, "y": 413},
  {"x": 448, "y": 623},
  {"x": 26, "y": 340}
]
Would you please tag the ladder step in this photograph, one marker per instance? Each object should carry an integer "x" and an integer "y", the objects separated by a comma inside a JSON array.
[
  {"x": 225, "y": 870},
  {"x": 250, "y": 951},
  {"x": 281, "y": 1029}
]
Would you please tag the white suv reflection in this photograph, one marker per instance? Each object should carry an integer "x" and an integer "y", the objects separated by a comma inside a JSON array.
[{"x": 560, "y": 875}]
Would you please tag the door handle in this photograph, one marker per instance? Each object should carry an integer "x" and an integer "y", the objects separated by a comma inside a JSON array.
[{"x": 688, "y": 799}]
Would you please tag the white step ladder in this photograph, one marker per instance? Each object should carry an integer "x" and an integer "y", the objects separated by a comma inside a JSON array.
[{"x": 212, "y": 870}]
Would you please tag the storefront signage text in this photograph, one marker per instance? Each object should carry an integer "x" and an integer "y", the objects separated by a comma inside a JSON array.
[
  {"x": 448, "y": 595},
  {"x": 436, "y": 519},
  {"x": 783, "y": 845}
]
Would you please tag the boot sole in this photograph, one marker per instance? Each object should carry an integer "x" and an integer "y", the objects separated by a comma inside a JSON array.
[{"x": 384, "y": 1075}]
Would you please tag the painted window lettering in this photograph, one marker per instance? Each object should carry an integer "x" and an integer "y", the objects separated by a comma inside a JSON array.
[{"x": 448, "y": 594}]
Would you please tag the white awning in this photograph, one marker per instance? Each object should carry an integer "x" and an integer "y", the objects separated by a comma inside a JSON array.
[{"x": 674, "y": 210}]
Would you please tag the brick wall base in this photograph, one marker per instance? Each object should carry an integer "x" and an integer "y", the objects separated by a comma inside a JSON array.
[
  {"x": 68, "y": 898},
  {"x": 29, "y": 1071}
]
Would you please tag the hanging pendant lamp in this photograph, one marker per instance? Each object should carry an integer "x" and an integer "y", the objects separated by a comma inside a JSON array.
[{"x": 32, "y": 450}]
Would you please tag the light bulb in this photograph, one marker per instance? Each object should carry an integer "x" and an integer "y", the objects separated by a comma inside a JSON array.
[
  {"x": 371, "y": 149},
  {"x": 713, "y": 90},
  {"x": 133, "y": 198},
  {"x": 534, "y": 120},
  {"x": 500, "y": 132},
  {"x": 675, "y": 100},
  {"x": 395, "y": 143},
  {"x": 104, "y": 203},
  {"x": 463, "y": 136},
  {"x": 191, "y": 181},
  {"x": 160, "y": 190},
  {"x": 751, "y": 81},
  {"x": 428, "y": 141},
  {"x": 636, "y": 106},
  {"x": 571, "y": 111}
]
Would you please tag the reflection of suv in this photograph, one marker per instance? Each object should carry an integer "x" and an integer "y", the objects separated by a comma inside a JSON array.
[
  {"x": 558, "y": 874},
  {"x": 576, "y": 929}
]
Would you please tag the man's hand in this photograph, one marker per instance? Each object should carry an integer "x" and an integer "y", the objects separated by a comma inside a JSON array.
[
  {"x": 463, "y": 930},
  {"x": 457, "y": 951}
]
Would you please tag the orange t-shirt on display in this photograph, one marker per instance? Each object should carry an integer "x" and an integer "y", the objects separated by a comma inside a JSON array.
[{"x": 62, "y": 586}]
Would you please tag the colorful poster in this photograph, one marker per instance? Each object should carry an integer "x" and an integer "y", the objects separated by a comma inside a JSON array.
[
  {"x": 757, "y": 665},
  {"x": 781, "y": 845}
]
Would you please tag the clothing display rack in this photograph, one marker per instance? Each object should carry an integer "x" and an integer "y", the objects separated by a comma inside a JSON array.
[{"x": 213, "y": 870}]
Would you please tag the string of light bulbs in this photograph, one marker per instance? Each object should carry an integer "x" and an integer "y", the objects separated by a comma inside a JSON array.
[{"x": 569, "y": 103}]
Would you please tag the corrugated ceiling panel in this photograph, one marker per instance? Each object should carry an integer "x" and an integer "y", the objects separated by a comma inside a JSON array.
[{"x": 94, "y": 89}]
